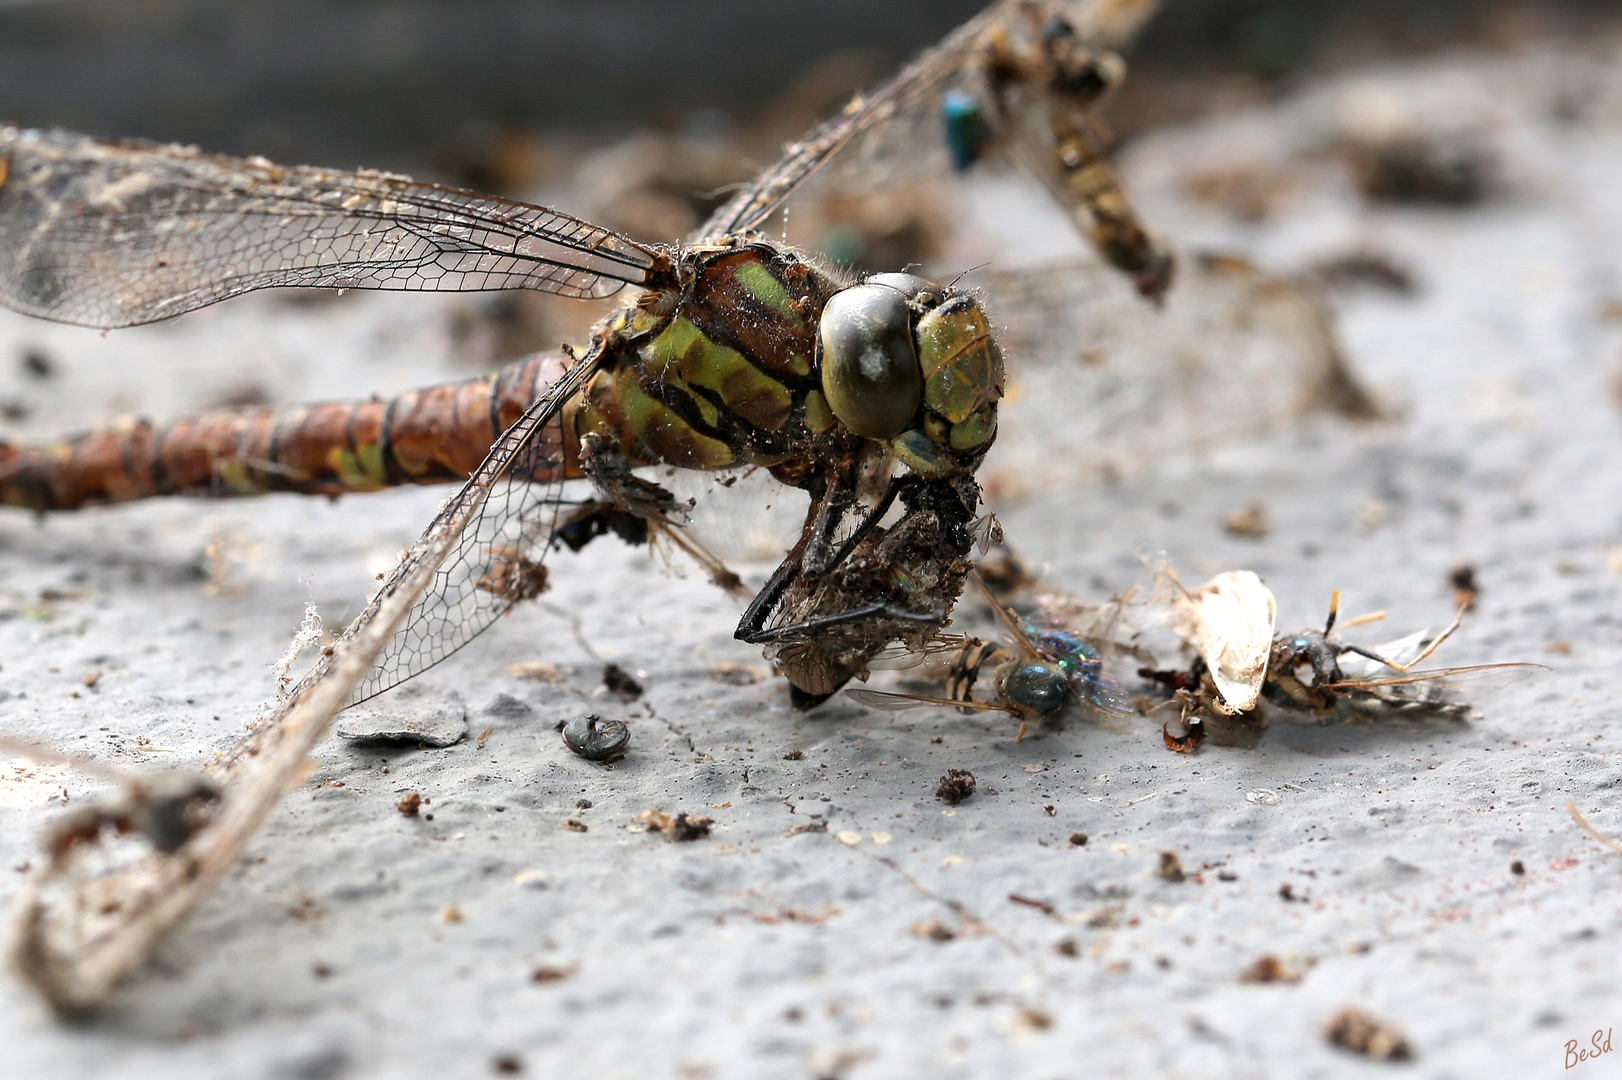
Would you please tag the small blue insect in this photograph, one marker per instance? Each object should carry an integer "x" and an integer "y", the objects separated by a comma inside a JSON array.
[{"x": 1045, "y": 666}]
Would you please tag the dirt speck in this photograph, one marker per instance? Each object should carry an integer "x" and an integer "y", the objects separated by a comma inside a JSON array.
[
  {"x": 1355, "y": 1030},
  {"x": 550, "y": 974},
  {"x": 1270, "y": 969},
  {"x": 677, "y": 828},
  {"x": 1249, "y": 522},
  {"x": 736, "y": 674},
  {"x": 1170, "y": 868}
]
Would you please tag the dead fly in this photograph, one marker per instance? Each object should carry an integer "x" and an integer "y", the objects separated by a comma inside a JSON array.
[
  {"x": 1310, "y": 672},
  {"x": 1046, "y": 662}
]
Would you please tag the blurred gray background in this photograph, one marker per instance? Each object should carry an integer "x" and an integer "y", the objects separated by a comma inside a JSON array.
[{"x": 430, "y": 85}]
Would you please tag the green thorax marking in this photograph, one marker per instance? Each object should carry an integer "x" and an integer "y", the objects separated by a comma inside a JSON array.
[{"x": 733, "y": 362}]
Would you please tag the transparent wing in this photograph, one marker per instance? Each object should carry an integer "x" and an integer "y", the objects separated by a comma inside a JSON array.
[
  {"x": 896, "y": 135},
  {"x": 1481, "y": 678},
  {"x": 110, "y": 234},
  {"x": 1401, "y": 652},
  {"x": 880, "y": 699},
  {"x": 904, "y": 100},
  {"x": 498, "y": 529}
]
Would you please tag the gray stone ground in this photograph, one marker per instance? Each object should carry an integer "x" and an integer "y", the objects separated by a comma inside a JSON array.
[{"x": 755, "y": 953}]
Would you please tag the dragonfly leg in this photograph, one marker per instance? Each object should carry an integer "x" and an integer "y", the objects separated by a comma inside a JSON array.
[
  {"x": 820, "y": 525},
  {"x": 635, "y": 509},
  {"x": 840, "y": 618}
]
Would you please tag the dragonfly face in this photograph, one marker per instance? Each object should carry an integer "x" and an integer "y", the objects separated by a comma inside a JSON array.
[{"x": 914, "y": 365}]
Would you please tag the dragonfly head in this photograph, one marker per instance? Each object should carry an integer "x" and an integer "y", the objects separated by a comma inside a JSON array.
[{"x": 912, "y": 364}]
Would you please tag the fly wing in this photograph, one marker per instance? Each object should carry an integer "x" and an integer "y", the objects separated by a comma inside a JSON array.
[
  {"x": 107, "y": 234},
  {"x": 896, "y": 135},
  {"x": 492, "y": 539},
  {"x": 1436, "y": 684},
  {"x": 880, "y": 699},
  {"x": 1398, "y": 654}
]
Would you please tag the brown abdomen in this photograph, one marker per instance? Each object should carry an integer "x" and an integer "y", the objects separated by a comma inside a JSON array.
[{"x": 430, "y": 436}]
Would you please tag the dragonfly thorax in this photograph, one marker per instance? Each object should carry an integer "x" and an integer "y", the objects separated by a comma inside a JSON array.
[{"x": 759, "y": 357}]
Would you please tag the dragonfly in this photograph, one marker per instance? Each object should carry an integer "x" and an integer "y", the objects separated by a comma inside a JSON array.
[
  {"x": 1048, "y": 661},
  {"x": 736, "y": 353}
]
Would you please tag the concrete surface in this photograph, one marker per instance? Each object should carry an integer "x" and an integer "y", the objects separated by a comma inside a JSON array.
[{"x": 357, "y": 942}]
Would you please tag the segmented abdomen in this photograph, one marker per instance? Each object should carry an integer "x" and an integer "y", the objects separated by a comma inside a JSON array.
[{"x": 429, "y": 436}]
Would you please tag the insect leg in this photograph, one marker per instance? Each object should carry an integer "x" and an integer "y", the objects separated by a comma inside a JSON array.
[
  {"x": 842, "y": 618},
  {"x": 820, "y": 525},
  {"x": 1430, "y": 648}
]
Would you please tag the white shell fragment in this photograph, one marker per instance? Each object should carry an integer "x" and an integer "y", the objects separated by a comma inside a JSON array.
[
  {"x": 436, "y": 720},
  {"x": 1229, "y": 621}
]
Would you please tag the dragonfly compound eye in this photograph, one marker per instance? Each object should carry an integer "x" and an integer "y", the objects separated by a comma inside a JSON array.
[
  {"x": 870, "y": 371},
  {"x": 911, "y": 286},
  {"x": 1036, "y": 687}
]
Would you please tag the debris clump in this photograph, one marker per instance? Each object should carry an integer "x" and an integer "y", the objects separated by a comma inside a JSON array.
[
  {"x": 1355, "y": 1030},
  {"x": 955, "y": 786},
  {"x": 677, "y": 828},
  {"x": 621, "y": 682}
]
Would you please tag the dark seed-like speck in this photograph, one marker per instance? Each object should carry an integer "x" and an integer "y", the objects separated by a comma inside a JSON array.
[{"x": 596, "y": 739}]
